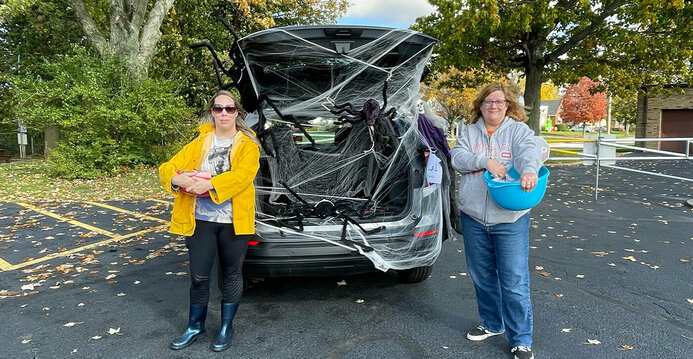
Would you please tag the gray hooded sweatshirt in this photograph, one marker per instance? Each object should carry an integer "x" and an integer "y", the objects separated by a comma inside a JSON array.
[{"x": 512, "y": 144}]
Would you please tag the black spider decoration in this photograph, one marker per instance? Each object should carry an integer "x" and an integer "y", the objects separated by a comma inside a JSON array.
[{"x": 373, "y": 116}]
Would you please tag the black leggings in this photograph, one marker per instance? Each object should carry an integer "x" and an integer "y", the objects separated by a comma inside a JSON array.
[{"x": 209, "y": 239}]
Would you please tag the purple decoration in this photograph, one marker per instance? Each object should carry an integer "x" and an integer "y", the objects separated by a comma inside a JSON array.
[{"x": 433, "y": 135}]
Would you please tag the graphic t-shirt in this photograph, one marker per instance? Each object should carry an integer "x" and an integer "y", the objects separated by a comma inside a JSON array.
[{"x": 217, "y": 162}]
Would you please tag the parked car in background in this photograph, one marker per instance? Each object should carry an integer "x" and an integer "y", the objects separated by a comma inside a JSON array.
[{"x": 579, "y": 128}]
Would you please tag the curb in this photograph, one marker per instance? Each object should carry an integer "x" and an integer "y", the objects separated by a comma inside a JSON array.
[{"x": 689, "y": 203}]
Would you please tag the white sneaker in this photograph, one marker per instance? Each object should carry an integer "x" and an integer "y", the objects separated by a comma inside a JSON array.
[{"x": 480, "y": 333}]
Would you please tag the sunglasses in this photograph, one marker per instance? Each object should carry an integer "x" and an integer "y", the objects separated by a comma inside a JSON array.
[{"x": 218, "y": 109}]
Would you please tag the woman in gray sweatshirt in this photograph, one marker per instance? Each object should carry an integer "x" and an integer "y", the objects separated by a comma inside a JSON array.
[{"x": 496, "y": 240}]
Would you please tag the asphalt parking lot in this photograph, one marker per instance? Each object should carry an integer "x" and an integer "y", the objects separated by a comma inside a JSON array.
[{"x": 610, "y": 279}]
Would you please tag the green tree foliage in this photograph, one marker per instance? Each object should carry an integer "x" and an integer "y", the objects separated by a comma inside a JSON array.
[
  {"x": 196, "y": 20},
  {"x": 625, "y": 43},
  {"x": 30, "y": 33},
  {"x": 624, "y": 108},
  {"x": 106, "y": 121},
  {"x": 76, "y": 58}
]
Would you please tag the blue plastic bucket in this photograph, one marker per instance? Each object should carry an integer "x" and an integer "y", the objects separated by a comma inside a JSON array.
[{"x": 509, "y": 195}]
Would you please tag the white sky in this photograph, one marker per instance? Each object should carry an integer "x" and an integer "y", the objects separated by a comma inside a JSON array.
[{"x": 393, "y": 13}]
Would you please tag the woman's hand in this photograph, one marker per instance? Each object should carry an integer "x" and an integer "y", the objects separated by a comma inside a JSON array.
[
  {"x": 184, "y": 179},
  {"x": 496, "y": 169},
  {"x": 528, "y": 181},
  {"x": 199, "y": 186}
]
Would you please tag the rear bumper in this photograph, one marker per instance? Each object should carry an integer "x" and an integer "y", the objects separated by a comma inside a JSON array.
[{"x": 347, "y": 264}]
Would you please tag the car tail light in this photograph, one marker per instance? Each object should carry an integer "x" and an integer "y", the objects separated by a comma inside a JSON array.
[
  {"x": 253, "y": 243},
  {"x": 427, "y": 233}
]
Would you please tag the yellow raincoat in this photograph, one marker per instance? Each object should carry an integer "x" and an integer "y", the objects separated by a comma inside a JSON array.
[{"x": 236, "y": 184}]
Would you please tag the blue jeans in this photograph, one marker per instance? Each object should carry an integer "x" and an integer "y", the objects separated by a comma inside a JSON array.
[{"x": 497, "y": 258}]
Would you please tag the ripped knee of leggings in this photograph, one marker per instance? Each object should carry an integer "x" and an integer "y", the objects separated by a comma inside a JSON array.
[{"x": 199, "y": 281}]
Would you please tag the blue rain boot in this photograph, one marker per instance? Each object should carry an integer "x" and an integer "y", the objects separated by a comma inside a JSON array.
[
  {"x": 196, "y": 328},
  {"x": 223, "y": 341}
]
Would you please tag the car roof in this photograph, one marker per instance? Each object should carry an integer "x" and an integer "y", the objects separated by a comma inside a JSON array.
[{"x": 317, "y": 32}]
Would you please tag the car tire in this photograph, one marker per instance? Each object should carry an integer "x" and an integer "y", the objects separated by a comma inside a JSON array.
[{"x": 414, "y": 275}]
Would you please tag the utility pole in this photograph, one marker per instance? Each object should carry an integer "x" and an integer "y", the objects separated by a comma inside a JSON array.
[{"x": 608, "y": 116}]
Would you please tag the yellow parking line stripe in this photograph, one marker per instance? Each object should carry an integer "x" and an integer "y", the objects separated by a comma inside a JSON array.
[
  {"x": 117, "y": 209},
  {"x": 4, "y": 265},
  {"x": 564, "y": 151},
  {"x": 566, "y": 140},
  {"x": 68, "y": 220},
  {"x": 80, "y": 249},
  {"x": 160, "y": 201}
]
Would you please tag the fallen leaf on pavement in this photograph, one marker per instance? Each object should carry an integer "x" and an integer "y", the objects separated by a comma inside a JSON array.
[
  {"x": 565, "y": 330},
  {"x": 72, "y": 324},
  {"x": 26, "y": 341},
  {"x": 545, "y": 274},
  {"x": 114, "y": 331},
  {"x": 359, "y": 301},
  {"x": 625, "y": 347},
  {"x": 96, "y": 337},
  {"x": 593, "y": 341},
  {"x": 630, "y": 258}
]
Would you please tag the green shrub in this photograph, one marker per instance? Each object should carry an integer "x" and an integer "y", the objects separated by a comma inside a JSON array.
[
  {"x": 562, "y": 127},
  {"x": 106, "y": 121}
]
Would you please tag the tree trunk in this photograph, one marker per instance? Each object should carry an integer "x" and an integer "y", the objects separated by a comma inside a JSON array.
[
  {"x": 141, "y": 56},
  {"x": 51, "y": 136},
  {"x": 533, "y": 73},
  {"x": 130, "y": 36}
]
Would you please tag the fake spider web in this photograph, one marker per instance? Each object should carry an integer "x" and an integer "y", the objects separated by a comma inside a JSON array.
[{"x": 332, "y": 172}]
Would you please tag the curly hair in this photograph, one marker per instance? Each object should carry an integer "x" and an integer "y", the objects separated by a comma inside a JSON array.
[{"x": 514, "y": 109}]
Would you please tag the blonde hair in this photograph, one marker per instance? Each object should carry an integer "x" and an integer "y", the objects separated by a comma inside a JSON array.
[
  {"x": 240, "y": 119},
  {"x": 514, "y": 109}
]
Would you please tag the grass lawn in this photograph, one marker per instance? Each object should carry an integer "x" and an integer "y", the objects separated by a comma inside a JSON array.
[{"x": 26, "y": 181}]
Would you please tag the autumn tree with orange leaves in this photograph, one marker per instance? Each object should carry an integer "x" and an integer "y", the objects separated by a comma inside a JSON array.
[{"x": 581, "y": 104}]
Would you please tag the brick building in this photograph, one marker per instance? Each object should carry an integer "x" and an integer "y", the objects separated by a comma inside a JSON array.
[{"x": 667, "y": 114}]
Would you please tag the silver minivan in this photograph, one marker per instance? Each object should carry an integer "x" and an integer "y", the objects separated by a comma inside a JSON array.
[{"x": 354, "y": 173}]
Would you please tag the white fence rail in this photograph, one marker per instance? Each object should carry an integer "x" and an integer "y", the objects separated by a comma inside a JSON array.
[{"x": 603, "y": 154}]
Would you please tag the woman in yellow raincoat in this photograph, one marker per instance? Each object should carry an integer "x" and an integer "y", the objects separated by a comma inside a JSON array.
[{"x": 216, "y": 215}]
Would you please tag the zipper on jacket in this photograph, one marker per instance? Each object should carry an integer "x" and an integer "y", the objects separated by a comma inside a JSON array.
[{"x": 488, "y": 144}]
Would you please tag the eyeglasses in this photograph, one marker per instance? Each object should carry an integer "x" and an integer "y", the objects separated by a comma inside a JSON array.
[
  {"x": 218, "y": 109},
  {"x": 499, "y": 103}
]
